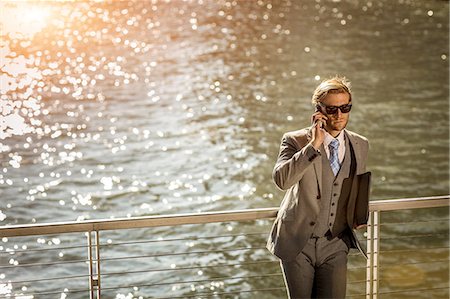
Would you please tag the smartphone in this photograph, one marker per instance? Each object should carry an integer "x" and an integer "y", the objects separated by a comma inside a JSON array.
[{"x": 319, "y": 109}]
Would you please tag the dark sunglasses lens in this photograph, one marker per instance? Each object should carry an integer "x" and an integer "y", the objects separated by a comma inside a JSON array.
[
  {"x": 334, "y": 109},
  {"x": 346, "y": 108}
]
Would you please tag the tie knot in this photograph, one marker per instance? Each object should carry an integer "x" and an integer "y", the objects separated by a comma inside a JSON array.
[{"x": 334, "y": 144}]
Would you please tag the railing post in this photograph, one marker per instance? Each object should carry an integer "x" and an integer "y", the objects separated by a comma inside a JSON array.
[
  {"x": 97, "y": 253},
  {"x": 376, "y": 249},
  {"x": 90, "y": 265},
  {"x": 369, "y": 257},
  {"x": 94, "y": 277}
]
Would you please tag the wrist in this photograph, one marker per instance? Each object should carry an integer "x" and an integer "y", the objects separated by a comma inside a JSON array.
[{"x": 315, "y": 144}]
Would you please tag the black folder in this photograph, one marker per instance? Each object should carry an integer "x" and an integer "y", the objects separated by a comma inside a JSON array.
[{"x": 362, "y": 199}]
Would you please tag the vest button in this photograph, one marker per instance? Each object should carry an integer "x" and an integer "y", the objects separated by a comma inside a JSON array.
[
  {"x": 332, "y": 214},
  {"x": 335, "y": 184},
  {"x": 318, "y": 196},
  {"x": 335, "y": 194},
  {"x": 312, "y": 223},
  {"x": 332, "y": 203}
]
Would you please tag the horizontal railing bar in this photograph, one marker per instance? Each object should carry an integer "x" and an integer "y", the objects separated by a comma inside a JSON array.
[
  {"x": 13, "y": 251},
  {"x": 203, "y": 267},
  {"x": 192, "y": 238},
  {"x": 400, "y": 291},
  {"x": 27, "y": 295},
  {"x": 414, "y": 290},
  {"x": 414, "y": 236},
  {"x": 425, "y": 248},
  {"x": 131, "y": 257},
  {"x": 190, "y": 281},
  {"x": 47, "y": 279},
  {"x": 409, "y": 203},
  {"x": 412, "y": 250},
  {"x": 386, "y": 265},
  {"x": 136, "y": 222},
  {"x": 134, "y": 257},
  {"x": 415, "y": 222},
  {"x": 43, "y": 264},
  {"x": 208, "y": 294},
  {"x": 358, "y": 281},
  {"x": 179, "y": 253},
  {"x": 198, "y": 218},
  {"x": 189, "y": 268},
  {"x": 356, "y": 295},
  {"x": 357, "y": 267}
]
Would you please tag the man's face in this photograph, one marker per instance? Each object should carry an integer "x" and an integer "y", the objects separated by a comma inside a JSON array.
[{"x": 339, "y": 120}]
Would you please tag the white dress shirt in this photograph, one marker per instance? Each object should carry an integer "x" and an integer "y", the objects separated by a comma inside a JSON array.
[{"x": 341, "y": 149}]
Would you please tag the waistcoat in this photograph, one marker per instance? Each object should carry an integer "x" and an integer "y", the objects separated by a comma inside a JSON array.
[{"x": 331, "y": 191}]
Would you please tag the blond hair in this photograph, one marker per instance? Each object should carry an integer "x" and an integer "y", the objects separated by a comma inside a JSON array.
[{"x": 333, "y": 85}]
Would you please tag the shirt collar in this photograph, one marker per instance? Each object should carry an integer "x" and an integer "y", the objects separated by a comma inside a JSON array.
[{"x": 329, "y": 138}]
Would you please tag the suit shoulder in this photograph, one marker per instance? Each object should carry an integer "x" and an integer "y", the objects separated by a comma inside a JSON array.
[
  {"x": 358, "y": 136},
  {"x": 359, "y": 140},
  {"x": 303, "y": 133},
  {"x": 299, "y": 137}
]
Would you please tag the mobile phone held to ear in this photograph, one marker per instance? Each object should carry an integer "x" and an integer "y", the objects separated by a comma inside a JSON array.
[{"x": 319, "y": 109}]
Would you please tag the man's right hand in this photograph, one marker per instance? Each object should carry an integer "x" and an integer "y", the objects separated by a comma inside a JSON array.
[{"x": 318, "y": 133}]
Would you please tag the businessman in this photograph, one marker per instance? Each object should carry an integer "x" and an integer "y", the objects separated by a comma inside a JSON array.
[{"x": 320, "y": 167}]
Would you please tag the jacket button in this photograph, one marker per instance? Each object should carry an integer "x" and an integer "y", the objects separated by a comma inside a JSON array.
[
  {"x": 318, "y": 196},
  {"x": 312, "y": 223}
]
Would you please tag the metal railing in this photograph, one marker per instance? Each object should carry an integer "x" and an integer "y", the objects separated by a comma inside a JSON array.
[
  {"x": 373, "y": 231},
  {"x": 96, "y": 248}
]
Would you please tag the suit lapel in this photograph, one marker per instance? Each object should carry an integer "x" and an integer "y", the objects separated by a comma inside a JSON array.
[
  {"x": 318, "y": 168},
  {"x": 317, "y": 163},
  {"x": 357, "y": 152}
]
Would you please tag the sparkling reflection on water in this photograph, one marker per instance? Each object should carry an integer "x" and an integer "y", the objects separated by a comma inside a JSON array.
[{"x": 117, "y": 109}]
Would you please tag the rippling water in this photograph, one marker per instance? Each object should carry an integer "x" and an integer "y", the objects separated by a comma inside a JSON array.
[{"x": 117, "y": 109}]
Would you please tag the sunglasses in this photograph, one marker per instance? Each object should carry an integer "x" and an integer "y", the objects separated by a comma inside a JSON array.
[{"x": 334, "y": 109}]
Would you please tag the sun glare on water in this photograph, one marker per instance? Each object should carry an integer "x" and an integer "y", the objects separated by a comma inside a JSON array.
[
  {"x": 22, "y": 18},
  {"x": 20, "y": 22}
]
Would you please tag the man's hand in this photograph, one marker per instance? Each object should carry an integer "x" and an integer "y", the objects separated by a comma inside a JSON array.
[
  {"x": 318, "y": 133},
  {"x": 360, "y": 226}
]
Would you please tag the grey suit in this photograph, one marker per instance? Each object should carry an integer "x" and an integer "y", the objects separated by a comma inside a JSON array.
[{"x": 300, "y": 171}]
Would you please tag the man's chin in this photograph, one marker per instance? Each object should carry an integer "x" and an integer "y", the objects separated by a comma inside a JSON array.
[{"x": 338, "y": 127}]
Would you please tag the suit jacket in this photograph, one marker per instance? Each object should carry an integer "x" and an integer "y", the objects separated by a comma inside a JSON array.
[{"x": 298, "y": 170}]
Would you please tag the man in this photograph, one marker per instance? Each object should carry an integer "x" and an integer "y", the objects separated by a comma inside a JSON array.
[{"x": 320, "y": 169}]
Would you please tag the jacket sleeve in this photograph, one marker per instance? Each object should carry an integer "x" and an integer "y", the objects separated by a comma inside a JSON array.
[
  {"x": 365, "y": 154},
  {"x": 292, "y": 162}
]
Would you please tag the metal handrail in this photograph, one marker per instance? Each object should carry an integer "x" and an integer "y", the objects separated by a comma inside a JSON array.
[
  {"x": 409, "y": 203},
  {"x": 136, "y": 222},
  {"x": 92, "y": 229},
  {"x": 198, "y": 218}
]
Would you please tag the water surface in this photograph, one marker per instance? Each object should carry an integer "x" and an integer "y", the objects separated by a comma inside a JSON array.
[{"x": 119, "y": 109}]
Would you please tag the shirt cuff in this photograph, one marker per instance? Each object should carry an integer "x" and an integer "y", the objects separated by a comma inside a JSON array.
[{"x": 311, "y": 152}]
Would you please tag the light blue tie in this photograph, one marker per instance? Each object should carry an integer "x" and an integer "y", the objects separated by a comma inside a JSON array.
[{"x": 334, "y": 159}]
